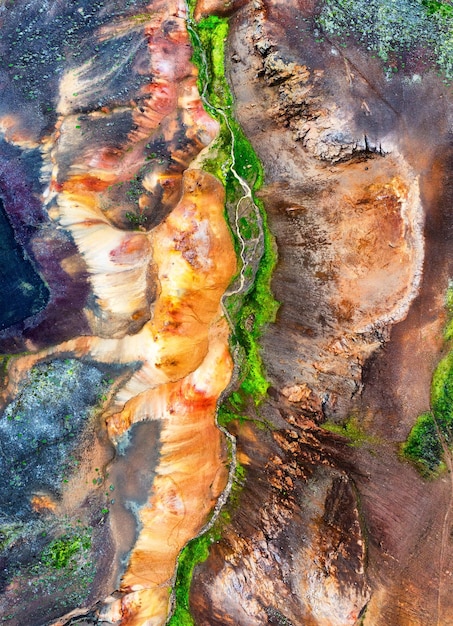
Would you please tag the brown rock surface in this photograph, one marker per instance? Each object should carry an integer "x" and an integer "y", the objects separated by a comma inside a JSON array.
[
  {"x": 359, "y": 202},
  {"x": 295, "y": 550},
  {"x": 204, "y": 8}
]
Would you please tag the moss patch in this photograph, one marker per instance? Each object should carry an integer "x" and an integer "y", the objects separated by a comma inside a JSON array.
[
  {"x": 442, "y": 397},
  {"x": 391, "y": 28},
  {"x": 255, "y": 308},
  {"x": 424, "y": 445},
  {"x": 195, "y": 552},
  {"x": 352, "y": 430},
  {"x": 53, "y": 563},
  {"x": 448, "y": 332},
  {"x": 231, "y": 158},
  {"x": 61, "y": 552}
]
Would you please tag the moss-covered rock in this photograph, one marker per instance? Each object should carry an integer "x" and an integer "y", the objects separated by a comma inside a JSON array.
[
  {"x": 423, "y": 446},
  {"x": 393, "y": 28}
]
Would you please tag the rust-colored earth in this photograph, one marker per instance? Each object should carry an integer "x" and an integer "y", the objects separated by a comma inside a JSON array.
[
  {"x": 362, "y": 221},
  {"x": 115, "y": 364}
]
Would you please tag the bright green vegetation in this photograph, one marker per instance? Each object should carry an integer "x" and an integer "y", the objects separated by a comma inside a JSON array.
[
  {"x": 58, "y": 576},
  {"x": 434, "y": 6},
  {"x": 442, "y": 397},
  {"x": 257, "y": 307},
  {"x": 392, "y": 27},
  {"x": 434, "y": 430},
  {"x": 423, "y": 446},
  {"x": 61, "y": 552},
  {"x": 352, "y": 430},
  {"x": 195, "y": 552},
  {"x": 65, "y": 569},
  {"x": 230, "y": 159}
]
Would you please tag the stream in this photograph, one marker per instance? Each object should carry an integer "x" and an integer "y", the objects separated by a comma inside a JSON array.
[{"x": 251, "y": 250}]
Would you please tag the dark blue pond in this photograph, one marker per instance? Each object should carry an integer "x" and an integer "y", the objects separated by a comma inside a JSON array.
[{"x": 23, "y": 293}]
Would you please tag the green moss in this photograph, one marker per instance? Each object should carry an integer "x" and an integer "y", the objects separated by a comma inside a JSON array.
[
  {"x": 4, "y": 362},
  {"x": 434, "y": 430},
  {"x": 442, "y": 383},
  {"x": 352, "y": 430},
  {"x": 434, "y": 7},
  {"x": 208, "y": 39},
  {"x": 49, "y": 563},
  {"x": 423, "y": 446},
  {"x": 240, "y": 476},
  {"x": 60, "y": 552},
  {"x": 195, "y": 552},
  {"x": 442, "y": 396},
  {"x": 8, "y": 535},
  {"x": 393, "y": 27},
  {"x": 252, "y": 310},
  {"x": 256, "y": 308},
  {"x": 141, "y": 18}
]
